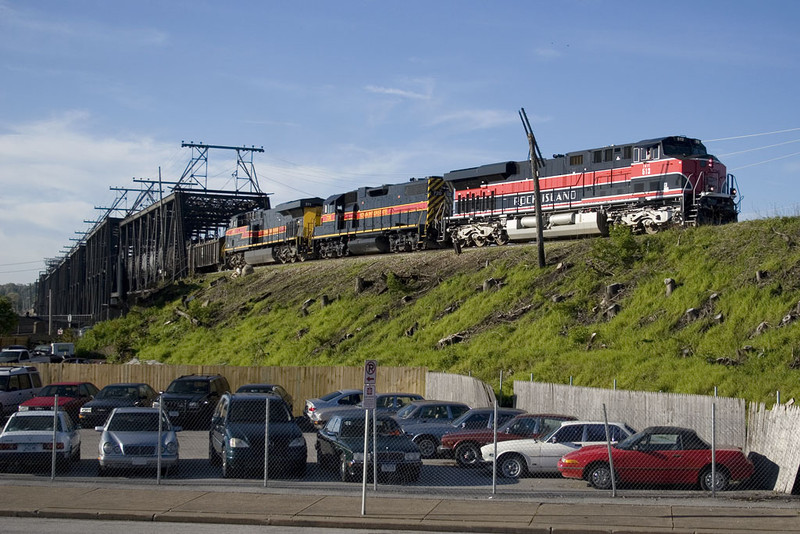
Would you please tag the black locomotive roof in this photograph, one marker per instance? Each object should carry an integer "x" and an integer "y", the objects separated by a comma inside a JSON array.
[{"x": 300, "y": 203}]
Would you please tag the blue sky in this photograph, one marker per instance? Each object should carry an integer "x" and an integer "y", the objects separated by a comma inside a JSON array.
[{"x": 350, "y": 93}]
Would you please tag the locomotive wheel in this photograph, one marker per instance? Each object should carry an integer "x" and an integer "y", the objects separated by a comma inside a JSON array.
[
  {"x": 478, "y": 240},
  {"x": 501, "y": 238},
  {"x": 650, "y": 226}
]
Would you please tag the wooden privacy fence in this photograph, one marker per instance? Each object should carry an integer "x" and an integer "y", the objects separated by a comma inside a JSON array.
[
  {"x": 773, "y": 438},
  {"x": 638, "y": 409},
  {"x": 471, "y": 391},
  {"x": 301, "y": 382}
]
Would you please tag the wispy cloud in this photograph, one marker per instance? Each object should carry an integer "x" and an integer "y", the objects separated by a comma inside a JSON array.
[
  {"x": 476, "y": 119},
  {"x": 397, "y": 92}
]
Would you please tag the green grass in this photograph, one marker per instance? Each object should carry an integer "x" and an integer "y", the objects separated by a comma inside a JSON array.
[{"x": 546, "y": 322}]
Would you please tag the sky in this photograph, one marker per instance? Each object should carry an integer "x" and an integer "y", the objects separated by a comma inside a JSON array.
[{"x": 361, "y": 93}]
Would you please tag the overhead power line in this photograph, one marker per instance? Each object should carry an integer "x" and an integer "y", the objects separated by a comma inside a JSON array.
[
  {"x": 759, "y": 148},
  {"x": 751, "y": 135},
  {"x": 766, "y": 161}
]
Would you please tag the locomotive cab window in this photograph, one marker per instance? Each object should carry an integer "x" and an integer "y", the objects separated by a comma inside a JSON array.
[{"x": 576, "y": 159}]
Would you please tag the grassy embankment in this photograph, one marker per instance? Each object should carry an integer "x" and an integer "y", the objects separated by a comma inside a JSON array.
[{"x": 550, "y": 323}]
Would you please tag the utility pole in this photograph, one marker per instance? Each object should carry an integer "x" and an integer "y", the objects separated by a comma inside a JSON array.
[{"x": 536, "y": 161}]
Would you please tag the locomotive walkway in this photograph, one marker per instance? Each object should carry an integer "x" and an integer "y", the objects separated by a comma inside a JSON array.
[{"x": 385, "y": 514}]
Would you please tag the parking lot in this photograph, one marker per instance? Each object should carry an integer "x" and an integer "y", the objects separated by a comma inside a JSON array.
[{"x": 439, "y": 477}]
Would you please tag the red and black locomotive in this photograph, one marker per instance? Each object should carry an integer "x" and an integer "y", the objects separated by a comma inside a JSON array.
[{"x": 647, "y": 186}]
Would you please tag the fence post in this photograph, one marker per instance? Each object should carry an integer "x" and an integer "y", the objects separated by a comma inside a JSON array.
[
  {"x": 714, "y": 447},
  {"x": 55, "y": 439},
  {"x": 610, "y": 456}
]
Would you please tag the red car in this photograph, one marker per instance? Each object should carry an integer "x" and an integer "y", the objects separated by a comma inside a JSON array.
[
  {"x": 658, "y": 455},
  {"x": 465, "y": 445},
  {"x": 71, "y": 396}
]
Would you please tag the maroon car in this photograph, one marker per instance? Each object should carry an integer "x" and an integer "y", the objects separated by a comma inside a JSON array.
[
  {"x": 466, "y": 445},
  {"x": 71, "y": 396}
]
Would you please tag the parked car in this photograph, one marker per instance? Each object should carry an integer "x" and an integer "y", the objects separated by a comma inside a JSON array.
[
  {"x": 190, "y": 400},
  {"x": 465, "y": 445},
  {"x": 42, "y": 350},
  {"x": 17, "y": 385},
  {"x": 519, "y": 457},
  {"x": 340, "y": 444},
  {"x": 341, "y": 397},
  {"x": 27, "y": 439},
  {"x": 239, "y": 429},
  {"x": 130, "y": 440},
  {"x": 428, "y": 435},
  {"x": 96, "y": 411},
  {"x": 275, "y": 389},
  {"x": 658, "y": 455},
  {"x": 415, "y": 420},
  {"x": 384, "y": 403},
  {"x": 20, "y": 356},
  {"x": 71, "y": 396}
]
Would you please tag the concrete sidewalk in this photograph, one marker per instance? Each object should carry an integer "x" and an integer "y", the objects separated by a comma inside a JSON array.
[{"x": 383, "y": 513}]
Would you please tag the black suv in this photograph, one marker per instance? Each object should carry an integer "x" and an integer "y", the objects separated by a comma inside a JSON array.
[{"x": 190, "y": 400}]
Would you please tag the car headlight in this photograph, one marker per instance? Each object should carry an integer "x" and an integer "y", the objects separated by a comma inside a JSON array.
[
  {"x": 86, "y": 409},
  {"x": 358, "y": 456},
  {"x": 194, "y": 404},
  {"x": 568, "y": 461},
  {"x": 237, "y": 443},
  {"x": 412, "y": 456},
  {"x": 297, "y": 442},
  {"x": 171, "y": 447},
  {"x": 23, "y": 408},
  {"x": 111, "y": 448}
]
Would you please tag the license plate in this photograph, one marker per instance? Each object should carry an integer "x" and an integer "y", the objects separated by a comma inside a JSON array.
[
  {"x": 173, "y": 413},
  {"x": 139, "y": 461},
  {"x": 29, "y": 447},
  {"x": 388, "y": 468}
]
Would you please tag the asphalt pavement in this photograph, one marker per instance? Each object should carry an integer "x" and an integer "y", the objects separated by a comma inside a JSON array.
[{"x": 381, "y": 513}]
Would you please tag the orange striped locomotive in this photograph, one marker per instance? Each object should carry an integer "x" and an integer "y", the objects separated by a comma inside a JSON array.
[
  {"x": 646, "y": 185},
  {"x": 390, "y": 218}
]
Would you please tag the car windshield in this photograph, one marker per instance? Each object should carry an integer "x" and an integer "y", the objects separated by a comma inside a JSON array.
[
  {"x": 384, "y": 427},
  {"x": 119, "y": 392},
  {"x": 136, "y": 422},
  {"x": 256, "y": 388},
  {"x": 62, "y": 390},
  {"x": 28, "y": 423},
  {"x": 254, "y": 411},
  {"x": 4, "y": 383},
  {"x": 330, "y": 396},
  {"x": 9, "y": 356},
  {"x": 406, "y": 411},
  {"x": 188, "y": 386}
]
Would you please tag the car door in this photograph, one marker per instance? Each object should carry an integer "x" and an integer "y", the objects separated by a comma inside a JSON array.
[
  {"x": 566, "y": 439},
  {"x": 326, "y": 438},
  {"x": 216, "y": 434},
  {"x": 655, "y": 459}
]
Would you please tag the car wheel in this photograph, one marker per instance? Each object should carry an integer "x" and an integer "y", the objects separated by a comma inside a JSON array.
[
  {"x": 600, "y": 476},
  {"x": 720, "y": 480},
  {"x": 511, "y": 466},
  {"x": 467, "y": 454},
  {"x": 213, "y": 457},
  {"x": 344, "y": 470},
  {"x": 427, "y": 447}
]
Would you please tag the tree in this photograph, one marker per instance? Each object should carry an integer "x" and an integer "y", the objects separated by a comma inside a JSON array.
[{"x": 8, "y": 317}]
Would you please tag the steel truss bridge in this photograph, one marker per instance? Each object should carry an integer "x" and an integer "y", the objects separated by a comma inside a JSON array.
[{"x": 122, "y": 258}]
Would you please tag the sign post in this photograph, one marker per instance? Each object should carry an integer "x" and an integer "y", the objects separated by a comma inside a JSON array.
[{"x": 370, "y": 377}]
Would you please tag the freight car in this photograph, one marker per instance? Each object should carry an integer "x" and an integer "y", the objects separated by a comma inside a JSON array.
[{"x": 647, "y": 186}]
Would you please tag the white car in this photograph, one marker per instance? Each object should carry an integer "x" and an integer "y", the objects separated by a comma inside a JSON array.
[
  {"x": 515, "y": 458},
  {"x": 27, "y": 439}
]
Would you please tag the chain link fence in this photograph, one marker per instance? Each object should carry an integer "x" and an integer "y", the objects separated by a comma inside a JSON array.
[{"x": 557, "y": 440}]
